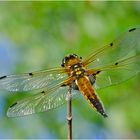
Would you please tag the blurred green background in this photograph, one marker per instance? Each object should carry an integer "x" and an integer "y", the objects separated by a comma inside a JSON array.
[{"x": 37, "y": 35}]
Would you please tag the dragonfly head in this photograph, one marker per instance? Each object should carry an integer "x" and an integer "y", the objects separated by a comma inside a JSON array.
[{"x": 70, "y": 60}]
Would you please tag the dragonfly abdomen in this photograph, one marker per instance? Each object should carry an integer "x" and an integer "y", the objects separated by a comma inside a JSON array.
[{"x": 87, "y": 90}]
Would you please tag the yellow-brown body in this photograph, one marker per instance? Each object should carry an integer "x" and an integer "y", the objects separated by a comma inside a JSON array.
[
  {"x": 83, "y": 81},
  {"x": 88, "y": 91}
]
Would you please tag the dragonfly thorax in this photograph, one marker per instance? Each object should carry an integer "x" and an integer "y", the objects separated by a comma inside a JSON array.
[
  {"x": 77, "y": 70},
  {"x": 74, "y": 65}
]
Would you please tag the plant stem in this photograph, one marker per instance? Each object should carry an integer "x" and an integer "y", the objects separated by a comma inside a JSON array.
[{"x": 69, "y": 115}]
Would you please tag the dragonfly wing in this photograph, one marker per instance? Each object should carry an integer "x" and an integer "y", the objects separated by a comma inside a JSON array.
[
  {"x": 40, "y": 102},
  {"x": 127, "y": 44},
  {"x": 117, "y": 72},
  {"x": 32, "y": 81}
]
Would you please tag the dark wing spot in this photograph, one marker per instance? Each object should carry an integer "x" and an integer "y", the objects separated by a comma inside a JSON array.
[
  {"x": 98, "y": 72},
  {"x": 116, "y": 63},
  {"x": 132, "y": 29},
  {"x": 88, "y": 96},
  {"x": 43, "y": 92},
  {"x": 111, "y": 44},
  {"x": 31, "y": 74},
  {"x": 13, "y": 104},
  {"x": 3, "y": 77}
]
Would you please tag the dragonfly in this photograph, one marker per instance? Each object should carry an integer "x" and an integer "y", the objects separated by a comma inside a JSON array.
[{"x": 109, "y": 65}]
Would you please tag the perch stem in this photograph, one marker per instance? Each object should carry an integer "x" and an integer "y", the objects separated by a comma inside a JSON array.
[{"x": 69, "y": 114}]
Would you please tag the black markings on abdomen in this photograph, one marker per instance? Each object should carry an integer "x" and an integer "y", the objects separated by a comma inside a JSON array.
[{"x": 98, "y": 106}]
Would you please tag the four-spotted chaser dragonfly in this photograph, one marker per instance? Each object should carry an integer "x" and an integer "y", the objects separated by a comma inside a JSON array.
[{"x": 109, "y": 65}]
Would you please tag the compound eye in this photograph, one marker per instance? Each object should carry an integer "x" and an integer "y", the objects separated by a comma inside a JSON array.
[
  {"x": 62, "y": 65},
  {"x": 75, "y": 55},
  {"x": 65, "y": 59},
  {"x": 72, "y": 56}
]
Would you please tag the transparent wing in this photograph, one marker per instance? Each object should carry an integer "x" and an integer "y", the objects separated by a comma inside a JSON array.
[
  {"x": 32, "y": 81},
  {"x": 44, "y": 101},
  {"x": 128, "y": 44},
  {"x": 117, "y": 72}
]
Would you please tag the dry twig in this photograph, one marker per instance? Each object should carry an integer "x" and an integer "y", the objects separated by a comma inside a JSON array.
[{"x": 69, "y": 114}]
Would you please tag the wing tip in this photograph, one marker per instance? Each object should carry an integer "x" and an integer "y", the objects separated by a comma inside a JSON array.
[
  {"x": 9, "y": 114},
  {"x": 13, "y": 104},
  {"x": 132, "y": 29},
  {"x": 3, "y": 77}
]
